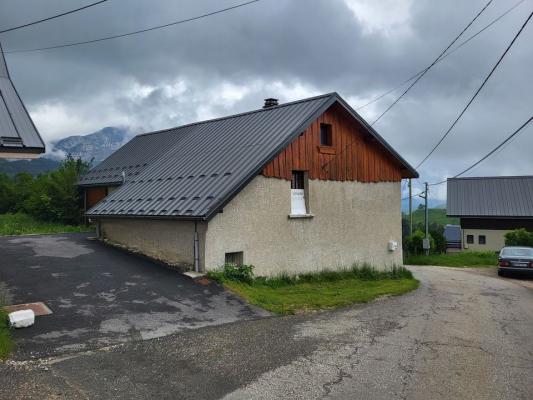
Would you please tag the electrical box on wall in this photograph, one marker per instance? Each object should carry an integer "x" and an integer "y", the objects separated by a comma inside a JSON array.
[{"x": 393, "y": 245}]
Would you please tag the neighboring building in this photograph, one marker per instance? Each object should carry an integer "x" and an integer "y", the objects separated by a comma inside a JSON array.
[
  {"x": 19, "y": 137},
  {"x": 489, "y": 207},
  {"x": 452, "y": 234},
  {"x": 290, "y": 188}
]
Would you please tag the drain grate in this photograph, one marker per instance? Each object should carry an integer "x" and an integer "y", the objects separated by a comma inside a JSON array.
[{"x": 38, "y": 308}]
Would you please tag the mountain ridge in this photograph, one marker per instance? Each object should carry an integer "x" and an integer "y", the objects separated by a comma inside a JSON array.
[{"x": 93, "y": 147}]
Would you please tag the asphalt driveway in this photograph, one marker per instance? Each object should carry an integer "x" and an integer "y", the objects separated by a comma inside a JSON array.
[
  {"x": 464, "y": 334},
  {"x": 102, "y": 296}
]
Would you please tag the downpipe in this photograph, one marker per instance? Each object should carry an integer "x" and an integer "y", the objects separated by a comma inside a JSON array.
[{"x": 196, "y": 248}]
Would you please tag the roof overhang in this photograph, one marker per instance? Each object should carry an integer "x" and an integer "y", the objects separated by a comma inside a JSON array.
[
  {"x": 148, "y": 217},
  {"x": 26, "y": 154}
]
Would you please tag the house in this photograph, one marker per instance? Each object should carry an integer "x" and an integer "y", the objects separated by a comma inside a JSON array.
[
  {"x": 19, "y": 137},
  {"x": 489, "y": 207},
  {"x": 295, "y": 187}
]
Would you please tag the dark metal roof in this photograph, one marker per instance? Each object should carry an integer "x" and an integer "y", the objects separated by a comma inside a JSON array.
[
  {"x": 194, "y": 170},
  {"x": 17, "y": 131},
  {"x": 505, "y": 196},
  {"x": 132, "y": 158}
]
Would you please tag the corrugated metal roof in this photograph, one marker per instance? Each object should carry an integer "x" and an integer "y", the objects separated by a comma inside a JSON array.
[
  {"x": 17, "y": 131},
  {"x": 506, "y": 196},
  {"x": 132, "y": 158},
  {"x": 194, "y": 170}
]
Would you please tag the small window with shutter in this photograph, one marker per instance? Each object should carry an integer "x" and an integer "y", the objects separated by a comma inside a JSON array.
[{"x": 326, "y": 135}]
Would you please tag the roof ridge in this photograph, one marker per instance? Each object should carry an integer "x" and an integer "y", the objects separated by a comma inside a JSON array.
[
  {"x": 491, "y": 177},
  {"x": 241, "y": 114}
]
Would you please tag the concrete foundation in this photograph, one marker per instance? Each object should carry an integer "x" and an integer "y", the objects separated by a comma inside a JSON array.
[{"x": 169, "y": 241}]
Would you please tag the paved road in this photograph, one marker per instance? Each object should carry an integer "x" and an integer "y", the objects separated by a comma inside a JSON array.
[
  {"x": 463, "y": 335},
  {"x": 102, "y": 296}
]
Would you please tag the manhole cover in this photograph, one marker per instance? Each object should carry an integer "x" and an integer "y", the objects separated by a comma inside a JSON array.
[{"x": 38, "y": 308}]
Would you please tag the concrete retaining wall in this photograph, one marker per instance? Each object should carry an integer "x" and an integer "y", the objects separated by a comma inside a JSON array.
[{"x": 166, "y": 240}]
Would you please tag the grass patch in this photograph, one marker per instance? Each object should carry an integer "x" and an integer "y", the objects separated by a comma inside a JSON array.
[
  {"x": 6, "y": 343},
  {"x": 463, "y": 259},
  {"x": 324, "y": 290},
  {"x": 23, "y": 224}
]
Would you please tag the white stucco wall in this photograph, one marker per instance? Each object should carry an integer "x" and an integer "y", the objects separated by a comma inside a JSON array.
[
  {"x": 353, "y": 222},
  {"x": 495, "y": 239},
  {"x": 169, "y": 241}
]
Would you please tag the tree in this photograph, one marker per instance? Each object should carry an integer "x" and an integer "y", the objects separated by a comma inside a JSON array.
[
  {"x": 55, "y": 196},
  {"x": 438, "y": 239},
  {"x": 7, "y": 194},
  {"x": 414, "y": 243},
  {"x": 519, "y": 237}
]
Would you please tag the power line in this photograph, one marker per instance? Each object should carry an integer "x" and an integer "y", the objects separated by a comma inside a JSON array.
[
  {"x": 135, "y": 32},
  {"x": 477, "y": 92},
  {"x": 379, "y": 97},
  {"x": 438, "y": 60},
  {"x": 53, "y": 17},
  {"x": 490, "y": 153},
  {"x": 432, "y": 64}
]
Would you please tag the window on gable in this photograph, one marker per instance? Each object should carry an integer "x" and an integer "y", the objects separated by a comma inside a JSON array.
[
  {"x": 326, "y": 135},
  {"x": 297, "y": 181},
  {"x": 482, "y": 239},
  {"x": 298, "y": 193},
  {"x": 470, "y": 239}
]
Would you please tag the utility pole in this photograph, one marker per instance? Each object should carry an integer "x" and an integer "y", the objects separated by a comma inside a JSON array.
[
  {"x": 426, "y": 218},
  {"x": 410, "y": 207},
  {"x": 425, "y": 243}
]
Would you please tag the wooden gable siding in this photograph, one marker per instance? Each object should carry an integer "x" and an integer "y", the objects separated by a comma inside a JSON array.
[
  {"x": 354, "y": 156},
  {"x": 94, "y": 195}
]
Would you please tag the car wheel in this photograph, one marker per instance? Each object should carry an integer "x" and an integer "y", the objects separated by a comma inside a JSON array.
[{"x": 501, "y": 273}]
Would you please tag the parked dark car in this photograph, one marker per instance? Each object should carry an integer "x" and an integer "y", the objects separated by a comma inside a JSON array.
[{"x": 515, "y": 259}]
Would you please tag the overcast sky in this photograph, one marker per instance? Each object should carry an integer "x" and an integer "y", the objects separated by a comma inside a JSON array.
[{"x": 288, "y": 49}]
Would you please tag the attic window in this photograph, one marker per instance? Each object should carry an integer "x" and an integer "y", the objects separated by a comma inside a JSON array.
[
  {"x": 297, "y": 181},
  {"x": 326, "y": 135}
]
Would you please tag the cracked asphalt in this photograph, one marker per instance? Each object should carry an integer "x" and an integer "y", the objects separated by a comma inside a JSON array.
[
  {"x": 102, "y": 296},
  {"x": 464, "y": 334}
]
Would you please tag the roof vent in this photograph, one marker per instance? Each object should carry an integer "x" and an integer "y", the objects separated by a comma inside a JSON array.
[{"x": 270, "y": 102}]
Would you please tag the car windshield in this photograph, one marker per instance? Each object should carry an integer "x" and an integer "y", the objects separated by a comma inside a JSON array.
[{"x": 517, "y": 252}]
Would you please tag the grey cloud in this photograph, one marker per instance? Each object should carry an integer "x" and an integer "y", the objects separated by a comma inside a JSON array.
[{"x": 273, "y": 47}]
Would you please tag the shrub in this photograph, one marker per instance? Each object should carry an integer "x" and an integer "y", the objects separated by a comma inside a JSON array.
[
  {"x": 53, "y": 196},
  {"x": 414, "y": 243},
  {"x": 519, "y": 237},
  {"x": 439, "y": 241},
  {"x": 232, "y": 272}
]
